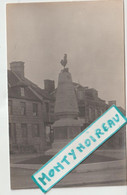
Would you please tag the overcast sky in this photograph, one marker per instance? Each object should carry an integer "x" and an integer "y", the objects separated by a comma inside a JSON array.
[{"x": 91, "y": 33}]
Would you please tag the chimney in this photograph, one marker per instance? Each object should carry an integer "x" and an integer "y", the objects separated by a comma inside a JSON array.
[
  {"x": 49, "y": 85},
  {"x": 18, "y": 68},
  {"x": 110, "y": 103}
]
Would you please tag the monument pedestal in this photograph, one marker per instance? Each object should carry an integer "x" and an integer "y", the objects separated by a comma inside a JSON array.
[{"x": 65, "y": 130}]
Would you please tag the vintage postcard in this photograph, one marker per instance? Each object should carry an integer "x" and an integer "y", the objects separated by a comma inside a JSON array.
[{"x": 65, "y": 69}]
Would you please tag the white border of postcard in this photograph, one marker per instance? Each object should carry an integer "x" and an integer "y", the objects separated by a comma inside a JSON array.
[{"x": 4, "y": 144}]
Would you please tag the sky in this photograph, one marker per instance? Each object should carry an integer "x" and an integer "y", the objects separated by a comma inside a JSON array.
[{"x": 91, "y": 33}]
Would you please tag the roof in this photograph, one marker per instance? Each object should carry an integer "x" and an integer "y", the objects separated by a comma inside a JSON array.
[
  {"x": 31, "y": 90},
  {"x": 14, "y": 92},
  {"x": 12, "y": 78},
  {"x": 122, "y": 110}
]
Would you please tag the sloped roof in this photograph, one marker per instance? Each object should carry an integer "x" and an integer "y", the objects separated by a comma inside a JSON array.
[
  {"x": 12, "y": 78},
  {"x": 14, "y": 92},
  {"x": 122, "y": 110},
  {"x": 15, "y": 82},
  {"x": 35, "y": 87}
]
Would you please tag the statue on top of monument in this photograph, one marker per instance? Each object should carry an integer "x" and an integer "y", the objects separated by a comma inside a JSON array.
[{"x": 64, "y": 61}]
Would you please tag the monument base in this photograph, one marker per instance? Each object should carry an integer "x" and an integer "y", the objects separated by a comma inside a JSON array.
[
  {"x": 64, "y": 131},
  {"x": 57, "y": 146}
]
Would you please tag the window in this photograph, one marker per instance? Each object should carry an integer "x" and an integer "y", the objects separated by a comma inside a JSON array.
[
  {"x": 51, "y": 108},
  {"x": 22, "y": 91},
  {"x": 82, "y": 111},
  {"x": 10, "y": 107},
  {"x": 23, "y": 108},
  {"x": 35, "y": 130},
  {"x": 61, "y": 134},
  {"x": 90, "y": 113},
  {"x": 35, "y": 109},
  {"x": 102, "y": 111},
  {"x": 12, "y": 132},
  {"x": 80, "y": 95},
  {"x": 47, "y": 106},
  {"x": 24, "y": 130},
  {"x": 96, "y": 112},
  {"x": 99, "y": 112}
]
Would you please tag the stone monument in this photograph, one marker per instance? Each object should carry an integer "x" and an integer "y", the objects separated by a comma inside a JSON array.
[{"x": 66, "y": 125}]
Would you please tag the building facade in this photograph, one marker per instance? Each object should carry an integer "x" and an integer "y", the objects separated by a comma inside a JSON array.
[
  {"x": 30, "y": 112},
  {"x": 90, "y": 105}
]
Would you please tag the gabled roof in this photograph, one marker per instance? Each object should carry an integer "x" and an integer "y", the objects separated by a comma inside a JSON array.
[
  {"x": 38, "y": 90},
  {"x": 122, "y": 110},
  {"x": 15, "y": 92},
  {"x": 12, "y": 78},
  {"x": 32, "y": 91}
]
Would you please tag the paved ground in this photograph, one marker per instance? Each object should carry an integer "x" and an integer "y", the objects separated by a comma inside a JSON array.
[
  {"x": 91, "y": 159},
  {"x": 21, "y": 176},
  {"x": 116, "y": 154}
]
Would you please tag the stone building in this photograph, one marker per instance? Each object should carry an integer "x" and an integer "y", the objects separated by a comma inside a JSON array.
[
  {"x": 30, "y": 111},
  {"x": 90, "y": 105}
]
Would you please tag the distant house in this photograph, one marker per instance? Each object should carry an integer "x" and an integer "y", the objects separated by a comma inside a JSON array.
[
  {"x": 30, "y": 111},
  {"x": 90, "y": 105}
]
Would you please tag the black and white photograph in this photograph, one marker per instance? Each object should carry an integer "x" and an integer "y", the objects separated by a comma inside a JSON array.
[{"x": 66, "y": 67}]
